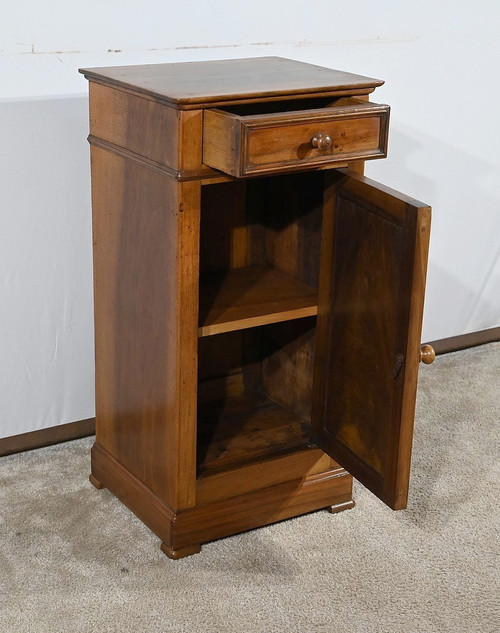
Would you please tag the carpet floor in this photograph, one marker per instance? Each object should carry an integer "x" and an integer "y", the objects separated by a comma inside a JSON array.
[{"x": 74, "y": 559}]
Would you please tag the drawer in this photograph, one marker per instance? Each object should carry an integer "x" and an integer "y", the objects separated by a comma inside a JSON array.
[{"x": 246, "y": 145}]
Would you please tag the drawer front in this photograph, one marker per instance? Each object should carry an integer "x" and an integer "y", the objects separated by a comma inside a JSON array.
[{"x": 275, "y": 143}]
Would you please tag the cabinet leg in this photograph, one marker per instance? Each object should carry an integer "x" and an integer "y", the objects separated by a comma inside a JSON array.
[
  {"x": 338, "y": 507},
  {"x": 182, "y": 552},
  {"x": 95, "y": 482}
]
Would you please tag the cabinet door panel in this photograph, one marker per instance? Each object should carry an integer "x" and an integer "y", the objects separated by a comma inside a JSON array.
[{"x": 373, "y": 266}]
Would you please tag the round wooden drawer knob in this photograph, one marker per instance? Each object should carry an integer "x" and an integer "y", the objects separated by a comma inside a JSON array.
[
  {"x": 427, "y": 354},
  {"x": 321, "y": 141}
]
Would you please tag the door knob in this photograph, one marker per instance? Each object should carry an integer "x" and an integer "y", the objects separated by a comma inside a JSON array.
[
  {"x": 427, "y": 354},
  {"x": 321, "y": 141}
]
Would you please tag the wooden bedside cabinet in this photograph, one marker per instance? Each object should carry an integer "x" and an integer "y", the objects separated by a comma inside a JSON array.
[{"x": 258, "y": 302}]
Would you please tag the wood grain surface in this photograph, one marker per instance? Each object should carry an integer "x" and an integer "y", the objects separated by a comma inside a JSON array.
[
  {"x": 369, "y": 319},
  {"x": 251, "y": 296},
  {"x": 215, "y": 82},
  {"x": 146, "y": 322},
  {"x": 242, "y": 429},
  {"x": 210, "y": 360},
  {"x": 283, "y": 141},
  {"x": 185, "y": 530}
]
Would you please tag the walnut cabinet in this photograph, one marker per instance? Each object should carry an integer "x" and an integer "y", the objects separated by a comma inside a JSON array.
[{"x": 258, "y": 301}]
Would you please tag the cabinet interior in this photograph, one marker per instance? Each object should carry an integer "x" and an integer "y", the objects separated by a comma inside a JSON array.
[
  {"x": 259, "y": 275},
  {"x": 285, "y": 105}
]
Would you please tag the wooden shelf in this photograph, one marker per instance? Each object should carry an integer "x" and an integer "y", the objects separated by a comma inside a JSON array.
[
  {"x": 246, "y": 297},
  {"x": 244, "y": 428}
]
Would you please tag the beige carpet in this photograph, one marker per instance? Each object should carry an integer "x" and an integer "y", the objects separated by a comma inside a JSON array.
[{"x": 74, "y": 559}]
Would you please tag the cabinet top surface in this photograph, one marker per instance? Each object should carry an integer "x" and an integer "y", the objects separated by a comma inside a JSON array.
[{"x": 206, "y": 83}]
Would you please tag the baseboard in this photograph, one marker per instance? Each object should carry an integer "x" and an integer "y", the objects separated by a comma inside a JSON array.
[
  {"x": 84, "y": 428},
  {"x": 464, "y": 341},
  {"x": 46, "y": 437}
]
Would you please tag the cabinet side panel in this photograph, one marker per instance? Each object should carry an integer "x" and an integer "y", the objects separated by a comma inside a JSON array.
[
  {"x": 142, "y": 126},
  {"x": 224, "y": 232},
  {"x": 287, "y": 367},
  {"x": 145, "y": 228},
  {"x": 221, "y": 140}
]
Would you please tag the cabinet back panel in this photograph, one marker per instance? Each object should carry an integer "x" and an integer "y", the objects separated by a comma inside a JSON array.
[
  {"x": 285, "y": 217},
  {"x": 274, "y": 221},
  {"x": 287, "y": 367},
  {"x": 273, "y": 363},
  {"x": 220, "y": 355},
  {"x": 229, "y": 364}
]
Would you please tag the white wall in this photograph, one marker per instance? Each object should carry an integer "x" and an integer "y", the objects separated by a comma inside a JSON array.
[{"x": 441, "y": 80}]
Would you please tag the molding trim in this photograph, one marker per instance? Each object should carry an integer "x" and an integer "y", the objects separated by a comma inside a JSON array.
[
  {"x": 47, "y": 437},
  {"x": 200, "y": 103},
  {"x": 181, "y": 175},
  {"x": 464, "y": 341},
  {"x": 84, "y": 428}
]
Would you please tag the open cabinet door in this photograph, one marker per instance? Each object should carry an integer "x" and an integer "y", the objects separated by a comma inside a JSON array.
[{"x": 373, "y": 268}]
